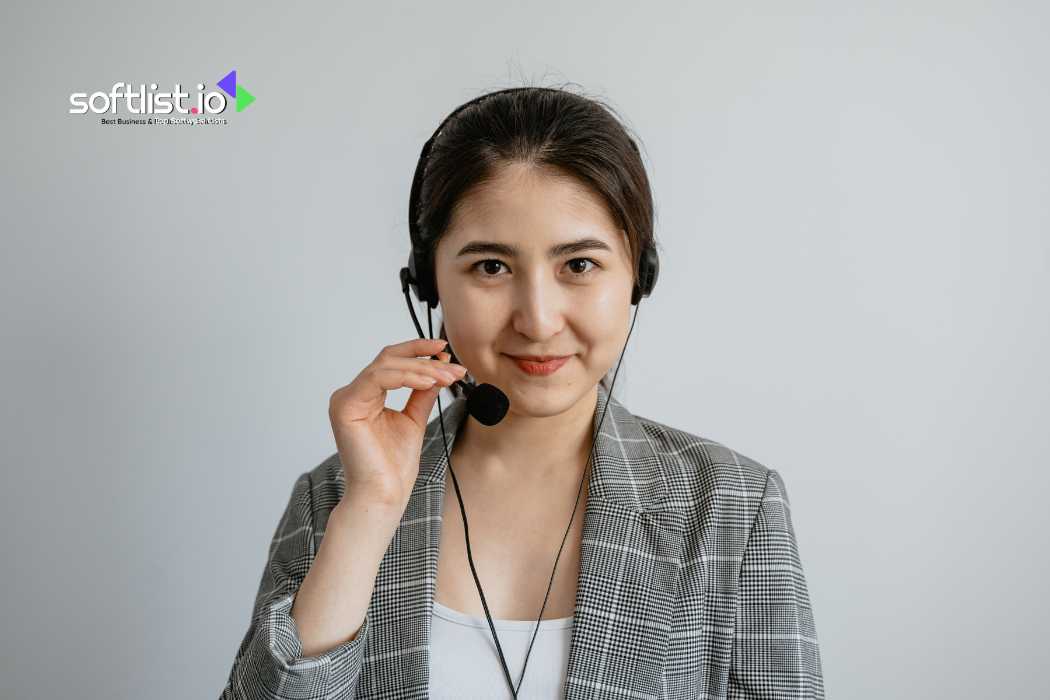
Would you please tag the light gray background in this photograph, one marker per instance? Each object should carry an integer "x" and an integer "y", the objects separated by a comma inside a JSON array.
[{"x": 852, "y": 212}]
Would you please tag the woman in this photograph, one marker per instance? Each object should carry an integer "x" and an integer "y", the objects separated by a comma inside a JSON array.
[{"x": 607, "y": 554}]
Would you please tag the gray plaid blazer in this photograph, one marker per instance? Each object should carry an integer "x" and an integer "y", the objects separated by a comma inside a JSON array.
[{"x": 690, "y": 585}]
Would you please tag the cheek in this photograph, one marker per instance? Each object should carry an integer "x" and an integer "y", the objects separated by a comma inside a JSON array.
[
  {"x": 473, "y": 334},
  {"x": 605, "y": 313},
  {"x": 602, "y": 328}
]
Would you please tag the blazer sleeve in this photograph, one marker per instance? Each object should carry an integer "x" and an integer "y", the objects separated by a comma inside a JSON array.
[
  {"x": 268, "y": 664},
  {"x": 775, "y": 649}
]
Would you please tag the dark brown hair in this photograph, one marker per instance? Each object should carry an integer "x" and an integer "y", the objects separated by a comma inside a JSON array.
[{"x": 549, "y": 128}]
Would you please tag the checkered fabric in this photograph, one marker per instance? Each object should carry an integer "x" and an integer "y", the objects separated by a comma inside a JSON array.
[{"x": 691, "y": 585}]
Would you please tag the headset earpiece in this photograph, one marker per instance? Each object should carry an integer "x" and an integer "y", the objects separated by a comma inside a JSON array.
[
  {"x": 421, "y": 277},
  {"x": 648, "y": 271}
]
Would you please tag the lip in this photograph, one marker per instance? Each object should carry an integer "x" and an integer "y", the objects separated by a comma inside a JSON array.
[{"x": 539, "y": 366}]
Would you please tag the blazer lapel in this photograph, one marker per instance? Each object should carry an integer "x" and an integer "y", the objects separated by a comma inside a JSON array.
[
  {"x": 629, "y": 564},
  {"x": 630, "y": 560}
]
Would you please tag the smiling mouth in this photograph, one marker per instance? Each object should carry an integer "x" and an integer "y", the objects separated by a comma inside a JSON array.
[{"x": 544, "y": 366}]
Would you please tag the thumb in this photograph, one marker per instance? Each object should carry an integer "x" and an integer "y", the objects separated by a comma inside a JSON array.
[{"x": 420, "y": 403}]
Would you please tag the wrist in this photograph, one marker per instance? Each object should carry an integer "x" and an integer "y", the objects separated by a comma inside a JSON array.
[{"x": 361, "y": 508}]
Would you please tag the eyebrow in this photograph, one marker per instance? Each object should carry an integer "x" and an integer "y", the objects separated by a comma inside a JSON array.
[{"x": 510, "y": 251}]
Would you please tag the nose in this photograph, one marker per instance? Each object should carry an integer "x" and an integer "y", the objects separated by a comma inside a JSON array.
[{"x": 538, "y": 307}]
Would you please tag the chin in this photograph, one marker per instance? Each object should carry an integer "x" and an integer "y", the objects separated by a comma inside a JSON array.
[{"x": 541, "y": 400}]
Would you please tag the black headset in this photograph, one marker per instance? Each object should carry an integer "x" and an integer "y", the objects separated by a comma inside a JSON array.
[{"x": 487, "y": 403}]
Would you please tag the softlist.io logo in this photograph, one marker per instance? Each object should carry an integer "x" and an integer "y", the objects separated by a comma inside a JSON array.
[{"x": 143, "y": 101}]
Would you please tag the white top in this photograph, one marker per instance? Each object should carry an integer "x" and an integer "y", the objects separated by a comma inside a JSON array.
[{"x": 464, "y": 663}]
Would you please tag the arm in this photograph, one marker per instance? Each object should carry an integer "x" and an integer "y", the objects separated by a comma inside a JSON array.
[
  {"x": 775, "y": 649},
  {"x": 313, "y": 655}
]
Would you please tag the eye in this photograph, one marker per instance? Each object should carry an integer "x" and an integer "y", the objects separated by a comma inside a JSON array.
[
  {"x": 484, "y": 262},
  {"x": 584, "y": 273}
]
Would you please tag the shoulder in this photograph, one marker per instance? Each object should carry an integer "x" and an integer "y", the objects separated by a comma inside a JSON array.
[
  {"x": 702, "y": 473},
  {"x": 717, "y": 494}
]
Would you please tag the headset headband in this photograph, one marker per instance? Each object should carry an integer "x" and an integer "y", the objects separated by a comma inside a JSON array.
[{"x": 419, "y": 274}]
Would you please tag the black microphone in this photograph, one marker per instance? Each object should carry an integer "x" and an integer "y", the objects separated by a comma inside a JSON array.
[{"x": 487, "y": 403}]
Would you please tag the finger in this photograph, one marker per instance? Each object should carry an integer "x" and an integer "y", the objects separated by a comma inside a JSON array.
[
  {"x": 416, "y": 347},
  {"x": 396, "y": 378},
  {"x": 434, "y": 368},
  {"x": 374, "y": 382},
  {"x": 417, "y": 380}
]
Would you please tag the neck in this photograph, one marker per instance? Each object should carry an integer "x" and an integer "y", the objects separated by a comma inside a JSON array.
[{"x": 524, "y": 448}]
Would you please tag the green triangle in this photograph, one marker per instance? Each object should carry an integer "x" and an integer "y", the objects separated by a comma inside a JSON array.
[{"x": 244, "y": 98}]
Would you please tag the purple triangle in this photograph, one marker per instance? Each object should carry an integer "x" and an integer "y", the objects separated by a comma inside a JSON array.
[{"x": 229, "y": 83}]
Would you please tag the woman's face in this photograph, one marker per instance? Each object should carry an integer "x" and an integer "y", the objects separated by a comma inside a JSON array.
[{"x": 506, "y": 290}]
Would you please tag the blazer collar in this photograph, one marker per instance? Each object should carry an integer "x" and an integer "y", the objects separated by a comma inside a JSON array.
[{"x": 625, "y": 469}]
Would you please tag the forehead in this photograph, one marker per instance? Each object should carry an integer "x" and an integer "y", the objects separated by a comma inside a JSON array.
[{"x": 532, "y": 206}]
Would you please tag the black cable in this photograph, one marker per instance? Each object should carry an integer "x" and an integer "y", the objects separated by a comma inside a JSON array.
[{"x": 466, "y": 535}]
